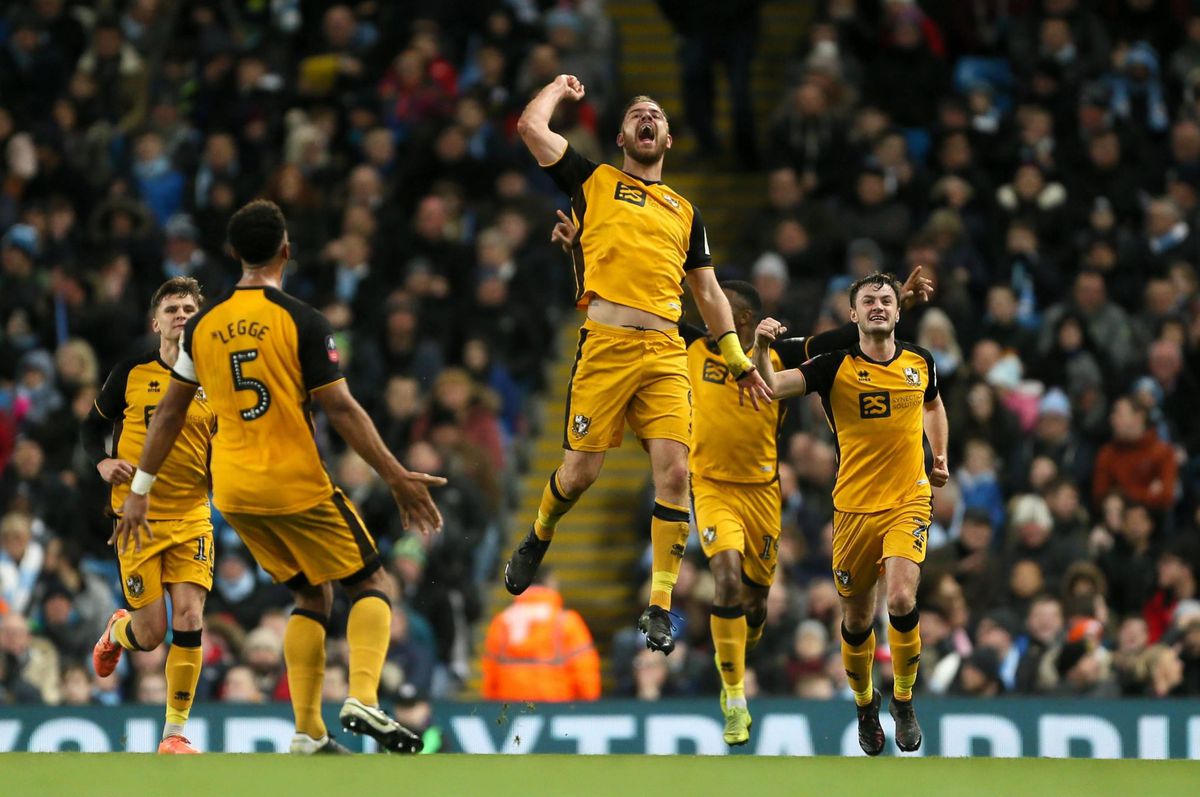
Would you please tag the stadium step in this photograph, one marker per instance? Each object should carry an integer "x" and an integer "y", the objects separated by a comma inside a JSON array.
[
  {"x": 649, "y": 65},
  {"x": 596, "y": 547}
]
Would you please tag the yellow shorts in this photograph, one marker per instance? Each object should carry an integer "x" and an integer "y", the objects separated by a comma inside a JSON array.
[
  {"x": 181, "y": 551},
  {"x": 742, "y": 518},
  {"x": 627, "y": 375},
  {"x": 862, "y": 541},
  {"x": 325, "y": 542}
]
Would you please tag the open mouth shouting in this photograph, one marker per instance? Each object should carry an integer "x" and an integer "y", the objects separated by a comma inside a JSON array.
[{"x": 646, "y": 133}]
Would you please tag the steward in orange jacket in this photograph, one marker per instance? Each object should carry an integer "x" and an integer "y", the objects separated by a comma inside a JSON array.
[{"x": 538, "y": 651}]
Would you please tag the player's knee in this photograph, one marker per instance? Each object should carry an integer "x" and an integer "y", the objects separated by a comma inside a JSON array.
[
  {"x": 755, "y": 607},
  {"x": 316, "y": 598},
  {"x": 727, "y": 588},
  {"x": 673, "y": 480},
  {"x": 374, "y": 579},
  {"x": 189, "y": 617},
  {"x": 577, "y": 476},
  {"x": 152, "y": 635},
  {"x": 901, "y": 602}
]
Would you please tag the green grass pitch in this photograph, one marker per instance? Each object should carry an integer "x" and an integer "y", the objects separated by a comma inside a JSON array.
[{"x": 265, "y": 775}]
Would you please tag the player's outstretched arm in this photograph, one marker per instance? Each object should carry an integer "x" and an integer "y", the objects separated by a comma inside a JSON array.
[
  {"x": 714, "y": 309},
  {"x": 783, "y": 384},
  {"x": 168, "y": 420},
  {"x": 534, "y": 124},
  {"x": 937, "y": 429},
  {"x": 409, "y": 488}
]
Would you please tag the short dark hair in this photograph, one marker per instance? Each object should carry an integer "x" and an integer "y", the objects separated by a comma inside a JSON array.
[
  {"x": 747, "y": 292},
  {"x": 876, "y": 280},
  {"x": 177, "y": 286},
  {"x": 256, "y": 232},
  {"x": 644, "y": 98}
]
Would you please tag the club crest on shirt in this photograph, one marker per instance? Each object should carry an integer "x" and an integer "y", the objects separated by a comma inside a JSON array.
[
  {"x": 672, "y": 201},
  {"x": 135, "y": 586},
  {"x": 200, "y": 396},
  {"x": 843, "y": 577},
  {"x": 912, "y": 377},
  {"x": 580, "y": 425},
  {"x": 709, "y": 535}
]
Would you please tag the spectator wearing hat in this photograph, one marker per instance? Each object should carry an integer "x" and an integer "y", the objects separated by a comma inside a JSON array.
[
  {"x": 31, "y": 67},
  {"x": 1135, "y": 463},
  {"x": 1031, "y": 538},
  {"x": 979, "y": 675},
  {"x": 1053, "y": 437},
  {"x": 997, "y": 631},
  {"x": 158, "y": 182},
  {"x": 20, "y": 285},
  {"x": 1085, "y": 670},
  {"x": 183, "y": 257},
  {"x": 238, "y": 592},
  {"x": 1176, "y": 581},
  {"x": 1130, "y": 565},
  {"x": 536, "y": 650}
]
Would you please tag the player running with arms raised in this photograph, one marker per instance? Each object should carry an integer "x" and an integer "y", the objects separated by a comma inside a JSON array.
[
  {"x": 881, "y": 398},
  {"x": 638, "y": 240}
]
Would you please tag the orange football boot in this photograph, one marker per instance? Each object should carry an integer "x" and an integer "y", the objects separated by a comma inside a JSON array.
[
  {"x": 176, "y": 745},
  {"x": 107, "y": 653}
]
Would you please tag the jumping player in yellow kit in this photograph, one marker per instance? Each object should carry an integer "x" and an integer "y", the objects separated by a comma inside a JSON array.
[
  {"x": 638, "y": 241},
  {"x": 180, "y": 557},
  {"x": 881, "y": 399}
]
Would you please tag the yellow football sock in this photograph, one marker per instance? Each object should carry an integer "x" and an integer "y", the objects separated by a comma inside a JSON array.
[
  {"x": 304, "y": 654},
  {"x": 554, "y": 505},
  {"x": 668, "y": 541},
  {"x": 858, "y": 656},
  {"x": 183, "y": 672},
  {"x": 904, "y": 637},
  {"x": 122, "y": 634},
  {"x": 368, "y": 632},
  {"x": 754, "y": 632},
  {"x": 728, "y": 625}
]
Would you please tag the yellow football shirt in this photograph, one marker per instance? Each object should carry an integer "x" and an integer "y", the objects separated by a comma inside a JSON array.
[
  {"x": 732, "y": 442},
  {"x": 259, "y": 354},
  {"x": 876, "y": 412},
  {"x": 128, "y": 399},
  {"x": 636, "y": 239}
]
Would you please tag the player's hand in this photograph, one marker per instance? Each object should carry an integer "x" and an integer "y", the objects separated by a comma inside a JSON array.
[
  {"x": 916, "y": 289},
  {"x": 564, "y": 232},
  {"x": 417, "y": 509},
  {"x": 115, "y": 471},
  {"x": 769, "y": 330},
  {"x": 751, "y": 384},
  {"x": 572, "y": 88},
  {"x": 132, "y": 524},
  {"x": 940, "y": 473}
]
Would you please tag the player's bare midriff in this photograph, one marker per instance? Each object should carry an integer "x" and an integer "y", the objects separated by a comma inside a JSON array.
[{"x": 603, "y": 311}]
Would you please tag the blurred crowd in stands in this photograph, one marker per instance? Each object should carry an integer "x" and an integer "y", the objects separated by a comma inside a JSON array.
[
  {"x": 1040, "y": 158},
  {"x": 129, "y": 132}
]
